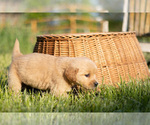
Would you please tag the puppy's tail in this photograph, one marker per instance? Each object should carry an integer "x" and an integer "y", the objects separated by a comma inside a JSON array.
[{"x": 16, "y": 50}]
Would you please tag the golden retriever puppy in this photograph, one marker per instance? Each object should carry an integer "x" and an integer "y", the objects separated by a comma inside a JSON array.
[{"x": 47, "y": 72}]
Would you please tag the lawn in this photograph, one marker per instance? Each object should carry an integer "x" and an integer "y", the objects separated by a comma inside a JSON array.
[{"x": 133, "y": 96}]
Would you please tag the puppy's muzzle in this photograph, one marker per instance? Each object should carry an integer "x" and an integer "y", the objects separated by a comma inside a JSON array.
[{"x": 96, "y": 84}]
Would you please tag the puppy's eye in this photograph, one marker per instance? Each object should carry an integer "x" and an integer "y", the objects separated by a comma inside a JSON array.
[{"x": 87, "y": 75}]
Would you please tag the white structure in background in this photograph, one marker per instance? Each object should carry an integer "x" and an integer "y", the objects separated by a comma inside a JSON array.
[
  {"x": 145, "y": 47},
  {"x": 125, "y": 19},
  {"x": 105, "y": 24}
]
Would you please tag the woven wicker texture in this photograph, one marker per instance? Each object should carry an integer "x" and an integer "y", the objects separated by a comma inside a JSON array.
[{"x": 117, "y": 54}]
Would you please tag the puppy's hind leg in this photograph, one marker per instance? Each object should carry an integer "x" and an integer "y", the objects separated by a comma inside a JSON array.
[
  {"x": 14, "y": 83},
  {"x": 61, "y": 89}
]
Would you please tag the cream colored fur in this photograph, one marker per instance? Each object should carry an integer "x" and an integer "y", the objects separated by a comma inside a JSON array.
[{"x": 43, "y": 71}]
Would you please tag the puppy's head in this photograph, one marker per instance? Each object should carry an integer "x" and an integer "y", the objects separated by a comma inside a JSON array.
[{"x": 82, "y": 71}]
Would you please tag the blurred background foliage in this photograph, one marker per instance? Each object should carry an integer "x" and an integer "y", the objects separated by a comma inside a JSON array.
[{"x": 8, "y": 36}]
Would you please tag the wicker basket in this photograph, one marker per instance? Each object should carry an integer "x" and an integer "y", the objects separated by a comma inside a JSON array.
[{"x": 117, "y": 54}]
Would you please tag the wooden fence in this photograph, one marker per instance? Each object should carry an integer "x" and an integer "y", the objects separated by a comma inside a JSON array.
[
  {"x": 139, "y": 16},
  {"x": 9, "y": 18},
  {"x": 70, "y": 23}
]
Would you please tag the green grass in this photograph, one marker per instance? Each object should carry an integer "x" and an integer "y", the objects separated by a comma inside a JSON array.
[{"x": 131, "y": 97}]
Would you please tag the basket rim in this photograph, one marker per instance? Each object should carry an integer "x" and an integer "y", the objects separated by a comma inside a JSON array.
[{"x": 84, "y": 34}]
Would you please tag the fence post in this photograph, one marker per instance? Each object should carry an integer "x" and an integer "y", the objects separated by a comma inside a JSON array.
[
  {"x": 105, "y": 26},
  {"x": 125, "y": 18},
  {"x": 131, "y": 18},
  {"x": 73, "y": 24},
  {"x": 147, "y": 23},
  {"x": 34, "y": 25},
  {"x": 3, "y": 19},
  {"x": 137, "y": 16}
]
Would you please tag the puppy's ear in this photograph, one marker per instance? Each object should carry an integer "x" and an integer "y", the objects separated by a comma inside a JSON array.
[{"x": 71, "y": 73}]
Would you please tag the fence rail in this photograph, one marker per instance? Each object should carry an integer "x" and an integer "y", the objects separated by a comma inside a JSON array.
[{"x": 72, "y": 23}]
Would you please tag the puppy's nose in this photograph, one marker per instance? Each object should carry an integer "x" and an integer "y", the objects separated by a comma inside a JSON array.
[{"x": 95, "y": 84}]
